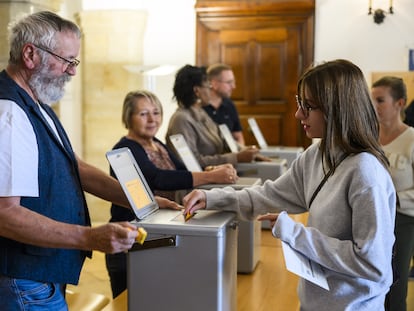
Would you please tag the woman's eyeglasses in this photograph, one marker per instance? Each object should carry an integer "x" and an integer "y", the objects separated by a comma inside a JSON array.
[{"x": 304, "y": 106}]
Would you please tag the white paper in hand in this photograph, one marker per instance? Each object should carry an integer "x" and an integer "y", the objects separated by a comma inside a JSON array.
[{"x": 304, "y": 267}]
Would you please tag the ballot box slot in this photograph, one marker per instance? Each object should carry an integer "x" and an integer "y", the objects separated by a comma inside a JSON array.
[{"x": 155, "y": 243}]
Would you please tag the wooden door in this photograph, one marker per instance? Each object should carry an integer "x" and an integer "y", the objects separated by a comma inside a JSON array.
[{"x": 268, "y": 44}]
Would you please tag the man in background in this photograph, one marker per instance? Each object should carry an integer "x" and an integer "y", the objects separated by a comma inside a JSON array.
[{"x": 221, "y": 108}]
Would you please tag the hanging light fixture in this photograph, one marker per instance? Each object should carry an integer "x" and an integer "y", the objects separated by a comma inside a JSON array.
[{"x": 379, "y": 14}]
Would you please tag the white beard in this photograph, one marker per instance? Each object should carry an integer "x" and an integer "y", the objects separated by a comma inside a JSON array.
[{"x": 46, "y": 87}]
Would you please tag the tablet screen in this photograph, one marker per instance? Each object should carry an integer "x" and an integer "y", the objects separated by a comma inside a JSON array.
[{"x": 132, "y": 181}]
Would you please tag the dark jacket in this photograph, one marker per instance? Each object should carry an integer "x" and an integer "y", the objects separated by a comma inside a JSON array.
[
  {"x": 157, "y": 179},
  {"x": 60, "y": 198}
]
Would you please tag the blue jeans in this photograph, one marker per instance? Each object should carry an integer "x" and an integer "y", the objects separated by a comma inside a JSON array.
[{"x": 27, "y": 295}]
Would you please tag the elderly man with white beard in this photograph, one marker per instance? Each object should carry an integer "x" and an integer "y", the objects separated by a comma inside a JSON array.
[{"x": 45, "y": 231}]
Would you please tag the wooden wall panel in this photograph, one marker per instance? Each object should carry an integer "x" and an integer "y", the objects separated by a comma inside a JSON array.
[
  {"x": 268, "y": 44},
  {"x": 270, "y": 61}
]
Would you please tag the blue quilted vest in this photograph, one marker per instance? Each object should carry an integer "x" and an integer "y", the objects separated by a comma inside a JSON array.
[{"x": 60, "y": 197}]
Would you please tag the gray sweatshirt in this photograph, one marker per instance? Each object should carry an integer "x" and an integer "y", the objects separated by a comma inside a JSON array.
[{"x": 349, "y": 231}]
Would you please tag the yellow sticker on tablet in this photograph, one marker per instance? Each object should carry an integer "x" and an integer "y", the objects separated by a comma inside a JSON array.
[{"x": 137, "y": 192}]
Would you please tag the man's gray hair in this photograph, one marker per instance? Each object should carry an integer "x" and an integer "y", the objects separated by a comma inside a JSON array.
[{"x": 38, "y": 28}]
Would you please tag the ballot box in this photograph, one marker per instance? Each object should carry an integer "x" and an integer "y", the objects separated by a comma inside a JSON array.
[
  {"x": 184, "y": 265},
  {"x": 249, "y": 237},
  {"x": 263, "y": 170},
  {"x": 248, "y": 245},
  {"x": 283, "y": 152}
]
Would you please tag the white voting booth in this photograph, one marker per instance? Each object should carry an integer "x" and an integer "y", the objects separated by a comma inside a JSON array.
[{"x": 181, "y": 265}]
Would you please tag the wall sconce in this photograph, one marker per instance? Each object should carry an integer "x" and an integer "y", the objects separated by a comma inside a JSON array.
[{"x": 379, "y": 14}]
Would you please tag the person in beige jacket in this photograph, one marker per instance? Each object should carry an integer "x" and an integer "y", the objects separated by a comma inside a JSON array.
[{"x": 192, "y": 90}]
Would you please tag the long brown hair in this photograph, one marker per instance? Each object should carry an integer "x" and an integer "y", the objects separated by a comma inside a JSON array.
[{"x": 339, "y": 89}]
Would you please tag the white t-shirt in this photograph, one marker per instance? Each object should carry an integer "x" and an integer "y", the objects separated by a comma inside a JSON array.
[
  {"x": 18, "y": 151},
  {"x": 400, "y": 153}
]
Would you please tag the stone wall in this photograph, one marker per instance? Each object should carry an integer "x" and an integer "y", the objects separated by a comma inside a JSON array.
[{"x": 111, "y": 41}]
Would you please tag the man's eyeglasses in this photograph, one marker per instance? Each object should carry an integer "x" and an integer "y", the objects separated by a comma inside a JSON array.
[
  {"x": 71, "y": 63},
  {"x": 304, "y": 106}
]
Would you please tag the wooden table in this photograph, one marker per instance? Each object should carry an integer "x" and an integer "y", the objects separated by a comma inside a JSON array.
[{"x": 120, "y": 303}]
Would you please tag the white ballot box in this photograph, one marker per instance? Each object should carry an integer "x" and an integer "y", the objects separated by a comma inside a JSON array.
[
  {"x": 249, "y": 237},
  {"x": 185, "y": 265},
  {"x": 182, "y": 265},
  {"x": 249, "y": 254},
  {"x": 263, "y": 170}
]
